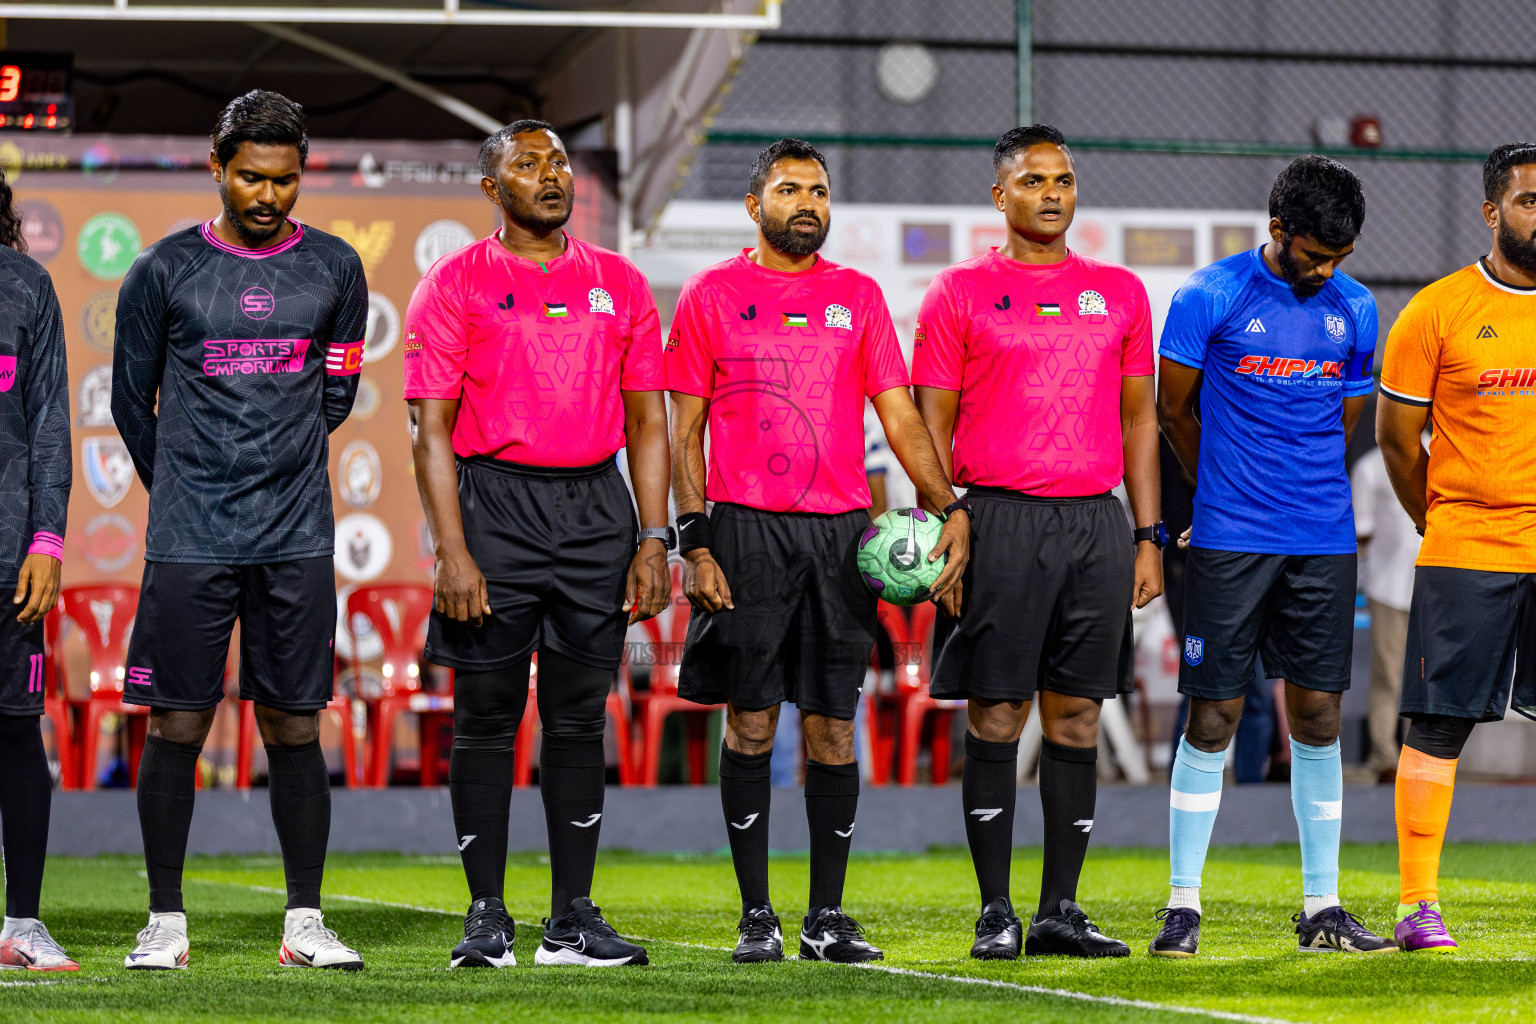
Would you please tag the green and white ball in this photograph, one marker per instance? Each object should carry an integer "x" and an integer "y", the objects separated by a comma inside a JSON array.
[{"x": 893, "y": 555}]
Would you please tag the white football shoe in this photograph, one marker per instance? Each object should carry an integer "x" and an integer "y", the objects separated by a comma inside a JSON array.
[
  {"x": 307, "y": 942},
  {"x": 162, "y": 945}
]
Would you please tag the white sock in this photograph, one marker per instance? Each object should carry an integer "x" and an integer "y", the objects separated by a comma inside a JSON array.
[
  {"x": 1185, "y": 896},
  {"x": 171, "y": 919},
  {"x": 14, "y": 926},
  {"x": 292, "y": 917},
  {"x": 1314, "y": 905}
]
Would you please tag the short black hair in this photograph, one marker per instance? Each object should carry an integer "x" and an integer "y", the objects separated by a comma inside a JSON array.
[
  {"x": 1500, "y": 166},
  {"x": 1320, "y": 198},
  {"x": 784, "y": 149},
  {"x": 265, "y": 118},
  {"x": 490, "y": 149},
  {"x": 1016, "y": 140}
]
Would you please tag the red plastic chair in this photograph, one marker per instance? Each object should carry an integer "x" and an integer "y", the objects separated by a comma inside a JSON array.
[
  {"x": 398, "y": 611},
  {"x": 104, "y": 614},
  {"x": 913, "y": 642},
  {"x": 56, "y": 705},
  {"x": 654, "y": 705}
]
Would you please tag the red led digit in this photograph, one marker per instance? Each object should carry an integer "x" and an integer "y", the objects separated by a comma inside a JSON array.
[{"x": 10, "y": 83}]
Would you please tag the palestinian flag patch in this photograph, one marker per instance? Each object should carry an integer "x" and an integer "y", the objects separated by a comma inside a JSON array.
[
  {"x": 1048, "y": 308},
  {"x": 795, "y": 320},
  {"x": 558, "y": 309}
]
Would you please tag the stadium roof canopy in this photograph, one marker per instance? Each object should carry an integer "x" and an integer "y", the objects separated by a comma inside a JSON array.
[{"x": 637, "y": 76}]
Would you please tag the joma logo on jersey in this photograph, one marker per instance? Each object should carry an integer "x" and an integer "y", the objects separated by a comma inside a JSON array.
[
  {"x": 241, "y": 358},
  {"x": 1507, "y": 378},
  {"x": 1281, "y": 366}
]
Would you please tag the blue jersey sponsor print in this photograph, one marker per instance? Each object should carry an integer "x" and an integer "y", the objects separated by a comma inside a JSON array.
[{"x": 1276, "y": 372}]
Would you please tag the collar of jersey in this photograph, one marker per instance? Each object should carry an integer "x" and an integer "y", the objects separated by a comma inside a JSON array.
[
  {"x": 1493, "y": 279},
  {"x": 252, "y": 254},
  {"x": 783, "y": 275},
  {"x": 1002, "y": 259},
  {"x": 523, "y": 261}
]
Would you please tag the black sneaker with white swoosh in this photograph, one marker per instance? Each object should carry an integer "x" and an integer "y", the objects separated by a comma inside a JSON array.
[
  {"x": 835, "y": 937},
  {"x": 582, "y": 938},
  {"x": 488, "y": 934}
]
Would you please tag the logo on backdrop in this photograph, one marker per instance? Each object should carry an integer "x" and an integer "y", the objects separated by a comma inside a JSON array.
[
  {"x": 437, "y": 240},
  {"x": 360, "y": 474},
  {"x": 43, "y": 229},
  {"x": 371, "y": 243},
  {"x": 368, "y": 400},
  {"x": 363, "y": 547},
  {"x": 383, "y": 328},
  {"x": 108, "y": 469},
  {"x": 1194, "y": 650},
  {"x": 108, "y": 244},
  {"x": 98, "y": 320},
  {"x": 94, "y": 397},
  {"x": 110, "y": 542}
]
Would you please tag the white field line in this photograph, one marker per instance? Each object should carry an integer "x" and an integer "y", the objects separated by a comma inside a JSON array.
[{"x": 1041, "y": 990}]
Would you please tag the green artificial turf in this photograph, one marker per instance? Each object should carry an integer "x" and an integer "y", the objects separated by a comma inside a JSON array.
[{"x": 919, "y": 908}]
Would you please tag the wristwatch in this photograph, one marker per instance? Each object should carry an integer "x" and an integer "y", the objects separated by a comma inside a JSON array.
[
  {"x": 665, "y": 534},
  {"x": 960, "y": 505},
  {"x": 1157, "y": 533}
]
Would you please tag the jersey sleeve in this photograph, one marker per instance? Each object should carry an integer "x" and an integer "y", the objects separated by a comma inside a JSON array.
[
  {"x": 884, "y": 368},
  {"x": 1410, "y": 368},
  {"x": 689, "y": 353},
  {"x": 47, "y": 405},
  {"x": 138, "y": 359},
  {"x": 436, "y": 337},
  {"x": 1191, "y": 319},
  {"x": 939, "y": 341},
  {"x": 1359, "y": 376},
  {"x": 1136, "y": 356},
  {"x": 344, "y": 356},
  {"x": 640, "y": 368}
]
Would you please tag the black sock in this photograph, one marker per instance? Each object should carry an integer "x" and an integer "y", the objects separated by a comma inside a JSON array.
[
  {"x": 1069, "y": 784},
  {"x": 480, "y": 788},
  {"x": 167, "y": 789},
  {"x": 299, "y": 786},
  {"x": 831, "y": 802},
  {"x": 25, "y": 797},
  {"x": 572, "y": 775},
  {"x": 745, "y": 795},
  {"x": 988, "y": 790}
]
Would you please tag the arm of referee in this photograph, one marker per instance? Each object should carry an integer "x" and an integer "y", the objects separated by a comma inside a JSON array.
[{"x": 459, "y": 586}]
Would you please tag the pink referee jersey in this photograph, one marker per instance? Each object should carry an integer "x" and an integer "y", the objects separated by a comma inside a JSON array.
[
  {"x": 786, "y": 361},
  {"x": 1037, "y": 352},
  {"x": 537, "y": 353}
]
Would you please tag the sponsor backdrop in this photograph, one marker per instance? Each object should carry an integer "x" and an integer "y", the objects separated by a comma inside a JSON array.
[{"x": 401, "y": 206}]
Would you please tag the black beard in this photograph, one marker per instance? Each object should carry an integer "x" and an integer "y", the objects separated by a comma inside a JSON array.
[
  {"x": 789, "y": 242},
  {"x": 1517, "y": 251},
  {"x": 1304, "y": 288},
  {"x": 530, "y": 215},
  {"x": 254, "y": 238}
]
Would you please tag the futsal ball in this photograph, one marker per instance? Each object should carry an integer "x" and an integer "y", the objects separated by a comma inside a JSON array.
[{"x": 893, "y": 555}]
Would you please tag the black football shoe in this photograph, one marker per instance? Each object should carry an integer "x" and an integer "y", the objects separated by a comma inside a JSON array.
[
  {"x": 581, "y": 937},
  {"x": 835, "y": 937},
  {"x": 488, "y": 932},
  {"x": 999, "y": 932},
  {"x": 1179, "y": 938},
  {"x": 1070, "y": 933},
  {"x": 760, "y": 939},
  {"x": 1335, "y": 930}
]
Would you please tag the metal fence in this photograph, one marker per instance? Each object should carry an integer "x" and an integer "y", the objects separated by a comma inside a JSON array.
[{"x": 1169, "y": 103}]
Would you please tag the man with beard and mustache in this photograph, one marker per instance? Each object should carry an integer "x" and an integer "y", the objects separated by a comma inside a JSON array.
[
  {"x": 1276, "y": 346},
  {"x": 1463, "y": 356},
  {"x": 531, "y": 358},
  {"x": 774, "y": 352},
  {"x": 238, "y": 348}
]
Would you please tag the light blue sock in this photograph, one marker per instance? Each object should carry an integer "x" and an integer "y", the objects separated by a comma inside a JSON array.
[
  {"x": 1193, "y": 798},
  {"x": 1317, "y": 797}
]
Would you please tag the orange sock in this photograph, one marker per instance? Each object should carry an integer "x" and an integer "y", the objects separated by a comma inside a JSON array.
[{"x": 1423, "y": 804}]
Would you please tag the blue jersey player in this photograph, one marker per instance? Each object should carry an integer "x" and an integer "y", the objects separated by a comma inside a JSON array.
[{"x": 1275, "y": 346}]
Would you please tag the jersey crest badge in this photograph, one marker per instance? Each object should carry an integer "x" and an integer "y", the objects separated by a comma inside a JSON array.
[
  {"x": 108, "y": 469},
  {"x": 1335, "y": 325},
  {"x": 840, "y": 317},
  {"x": 1194, "y": 650},
  {"x": 1091, "y": 303},
  {"x": 600, "y": 301}
]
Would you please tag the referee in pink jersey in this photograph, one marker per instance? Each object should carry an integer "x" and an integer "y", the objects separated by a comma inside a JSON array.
[{"x": 531, "y": 358}]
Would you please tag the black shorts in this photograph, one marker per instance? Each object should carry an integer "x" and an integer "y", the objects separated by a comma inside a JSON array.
[
  {"x": 1465, "y": 630},
  {"x": 804, "y": 623},
  {"x": 1047, "y": 601},
  {"x": 21, "y": 661},
  {"x": 180, "y": 641},
  {"x": 1297, "y": 610},
  {"x": 554, "y": 545}
]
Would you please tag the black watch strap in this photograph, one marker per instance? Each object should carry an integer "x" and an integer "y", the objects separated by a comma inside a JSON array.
[
  {"x": 665, "y": 534},
  {"x": 1157, "y": 533},
  {"x": 960, "y": 505}
]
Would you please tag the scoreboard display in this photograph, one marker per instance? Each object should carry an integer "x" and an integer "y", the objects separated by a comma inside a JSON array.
[{"x": 37, "y": 92}]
